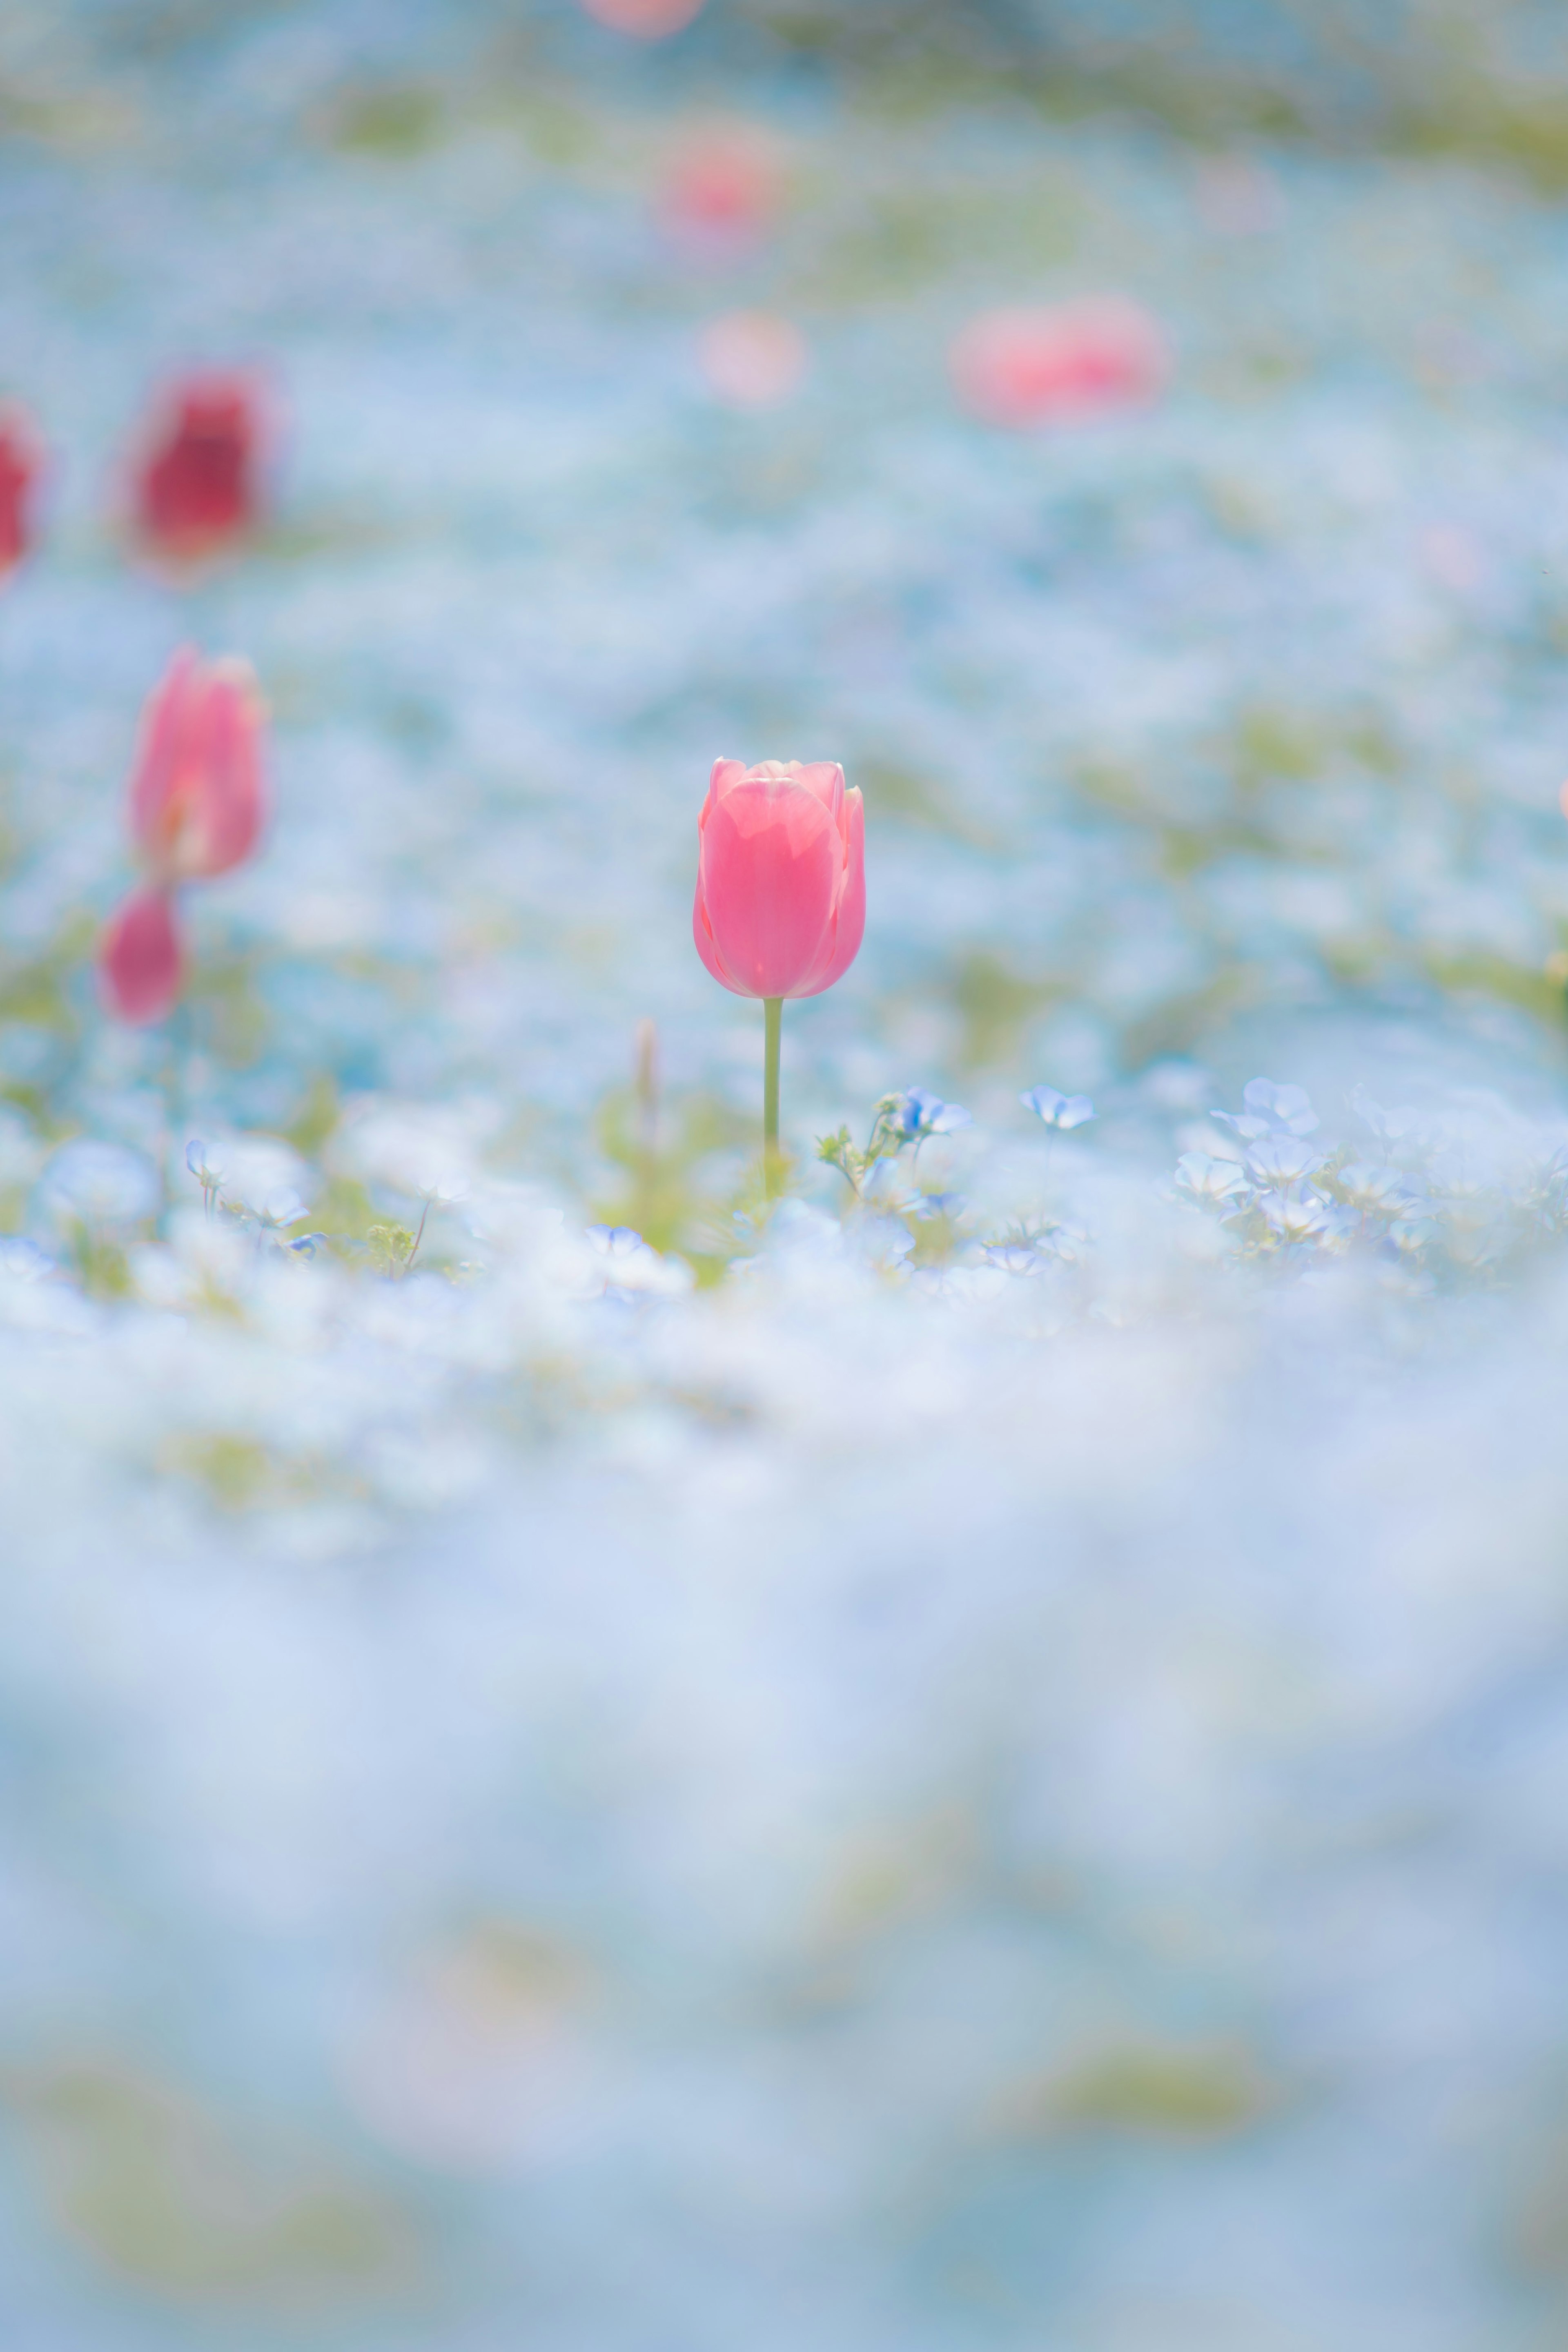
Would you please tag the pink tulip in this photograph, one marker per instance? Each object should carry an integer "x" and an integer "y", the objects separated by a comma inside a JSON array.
[
  {"x": 197, "y": 795},
  {"x": 20, "y": 460},
  {"x": 752, "y": 359},
  {"x": 722, "y": 189},
  {"x": 140, "y": 960},
  {"x": 781, "y": 890},
  {"x": 1057, "y": 366},
  {"x": 196, "y": 490},
  {"x": 644, "y": 20},
  {"x": 197, "y": 801}
]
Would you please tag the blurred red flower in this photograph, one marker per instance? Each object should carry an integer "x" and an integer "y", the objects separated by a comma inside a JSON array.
[
  {"x": 21, "y": 461},
  {"x": 1057, "y": 365},
  {"x": 196, "y": 490}
]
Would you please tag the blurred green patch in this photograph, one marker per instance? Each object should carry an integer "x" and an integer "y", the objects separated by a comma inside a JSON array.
[
  {"x": 395, "y": 121},
  {"x": 1477, "y": 973},
  {"x": 235, "y": 1471},
  {"x": 996, "y": 1002},
  {"x": 1175, "y": 1027},
  {"x": 659, "y": 1144},
  {"x": 227, "y": 1015},
  {"x": 36, "y": 989},
  {"x": 177, "y": 2200},
  {"x": 902, "y": 796},
  {"x": 1151, "y": 2091},
  {"x": 316, "y": 1117}
]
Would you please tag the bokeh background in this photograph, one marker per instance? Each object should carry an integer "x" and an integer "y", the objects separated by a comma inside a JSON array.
[{"x": 788, "y": 1806}]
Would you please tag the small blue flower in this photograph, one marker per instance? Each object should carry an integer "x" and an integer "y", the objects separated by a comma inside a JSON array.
[
  {"x": 1282, "y": 1160},
  {"x": 1204, "y": 1179},
  {"x": 616, "y": 1241},
  {"x": 940, "y": 1205},
  {"x": 917, "y": 1113},
  {"x": 101, "y": 1183},
  {"x": 1270, "y": 1110},
  {"x": 1015, "y": 1258},
  {"x": 1061, "y": 1112}
]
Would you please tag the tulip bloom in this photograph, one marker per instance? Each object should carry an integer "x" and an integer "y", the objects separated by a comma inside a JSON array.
[
  {"x": 196, "y": 805},
  {"x": 644, "y": 20},
  {"x": 752, "y": 359},
  {"x": 20, "y": 459},
  {"x": 724, "y": 188},
  {"x": 1059, "y": 366},
  {"x": 780, "y": 889},
  {"x": 195, "y": 491}
]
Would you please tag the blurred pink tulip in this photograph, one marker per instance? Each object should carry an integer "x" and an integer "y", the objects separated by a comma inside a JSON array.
[
  {"x": 21, "y": 459},
  {"x": 197, "y": 795},
  {"x": 195, "y": 490},
  {"x": 140, "y": 960},
  {"x": 724, "y": 188},
  {"x": 1049, "y": 366},
  {"x": 197, "y": 803},
  {"x": 780, "y": 877},
  {"x": 752, "y": 359},
  {"x": 644, "y": 20}
]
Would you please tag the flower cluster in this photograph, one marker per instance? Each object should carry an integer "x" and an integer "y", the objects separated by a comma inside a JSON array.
[{"x": 197, "y": 803}]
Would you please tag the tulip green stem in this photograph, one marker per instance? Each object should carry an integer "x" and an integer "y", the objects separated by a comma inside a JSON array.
[{"x": 772, "y": 1014}]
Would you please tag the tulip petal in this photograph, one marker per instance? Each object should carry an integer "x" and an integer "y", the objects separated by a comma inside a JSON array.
[
  {"x": 229, "y": 805},
  {"x": 771, "y": 863},
  {"x": 139, "y": 959},
  {"x": 702, "y": 932},
  {"x": 163, "y": 752},
  {"x": 825, "y": 779},
  {"x": 725, "y": 774},
  {"x": 849, "y": 925}
]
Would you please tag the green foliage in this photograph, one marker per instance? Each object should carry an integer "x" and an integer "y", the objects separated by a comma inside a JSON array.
[
  {"x": 1154, "y": 2092},
  {"x": 659, "y": 1146},
  {"x": 162, "y": 2191}
]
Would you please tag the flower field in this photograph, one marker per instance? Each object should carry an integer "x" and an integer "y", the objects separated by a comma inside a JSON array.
[{"x": 942, "y": 1732}]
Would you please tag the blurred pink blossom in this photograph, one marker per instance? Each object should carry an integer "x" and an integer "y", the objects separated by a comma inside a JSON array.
[
  {"x": 722, "y": 188},
  {"x": 1023, "y": 367},
  {"x": 140, "y": 960},
  {"x": 780, "y": 877},
  {"x": 752, "y": 359},
  {"x": 197, "y": 803},
  {"x": 196, "y": 489},
  {"x": 21, "y": 461},
  {"x": 644, "y": 20}
]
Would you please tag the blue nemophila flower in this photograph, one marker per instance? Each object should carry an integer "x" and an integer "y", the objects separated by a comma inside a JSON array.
[
  {"x": 1370, "y": 1188},
  {"x": 1061, "y": 1112},
  {"x": 883, "y": 1242},
  {"x": 1282, "y": 1160},
  {"x": 1209, "y": 1180},
  {"x": 1306, "y": 1219},
  {"x": 1270, "y": 1110},
  {"x": 23, "y": 1260},
  {"x": 940, "y": 1205},
  {"x": 918, "y": 1113},
  {"x": 101, "y": 1183},
  {"x": 1015, "y": 1258}
]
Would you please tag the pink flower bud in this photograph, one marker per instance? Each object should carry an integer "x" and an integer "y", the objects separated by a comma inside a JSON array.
[
  {"x": 780, "y": 877},
  {"x": 752, "y": 359},
  {"x": 20, "y": 461},
  {"x": 197, "y": 798},
  {"x": 644, "y": 20},
  {"x": 139, "y": 959},
  {"x": 196, "y": 490},
  {"x": 1051, "y": 366},
  {"x": 722, "y": 189}
]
